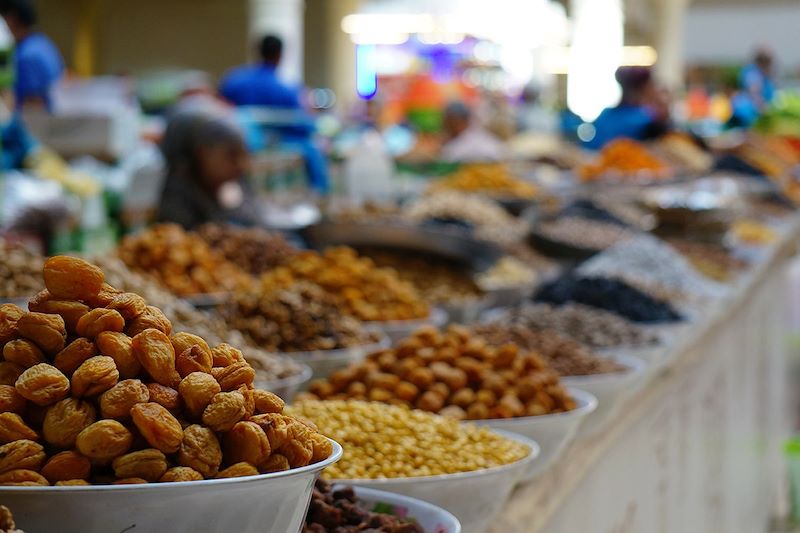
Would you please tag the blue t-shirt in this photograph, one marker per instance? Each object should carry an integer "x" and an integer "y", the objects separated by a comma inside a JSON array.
[
  {"x": 752, "y": 79},
  {"x": 37, "y": 66},
  {"x": 632, "y": 122},
  {"x": 258, "y": 85}
]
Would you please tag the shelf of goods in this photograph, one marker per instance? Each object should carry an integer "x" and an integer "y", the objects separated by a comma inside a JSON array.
[{"x": 696, "y": 450}]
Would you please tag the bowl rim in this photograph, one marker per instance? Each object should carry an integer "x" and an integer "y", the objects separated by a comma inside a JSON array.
[
  {"x": 587, "y": 404},
  {"x": 313, "y": 356},
  {"x": 437, "y": 317},
  {"x": 636, "y": 367},
  {"x": 335, "y": 455},
  {"x": 401, "y": 499},
  {"x": 534, "y": 452}
]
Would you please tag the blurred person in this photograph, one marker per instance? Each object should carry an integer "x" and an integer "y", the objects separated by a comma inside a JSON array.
[
  {"x": 756, "y": 89},
  {"x": 258, "y": 85},
  {"x": 642, "y": 113},
  {"x": 38, "y": 65},
  {"x": 206, "y": 161},
  {"x": 465, "y": 140},
  {"x": 532, "y": 115}
]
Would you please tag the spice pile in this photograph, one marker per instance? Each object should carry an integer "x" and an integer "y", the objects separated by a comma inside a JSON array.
[
  {"x": 20, "y": 271},
  {"x": 610, "y": 294},
  {"x": 506, "y": 273},
  {"x": 181, "y": 261},
  {"x": 453, "y": 373},
  {"x": 99, "y": 377},
  {"x": 489, "y": 179},
  {"x": 624, "y": 158},
  {"x": 712, "y": 261},
  {"x": 389, "y": 441},
  {"x": 339, "y": 510},
  {"x": 583, "y": 233},
  {"x": 254, "y": 250},
  {"x": 564, "y": 355},
  {"x": 302, "y": 317},
  {"x": 359, "y": 287}
]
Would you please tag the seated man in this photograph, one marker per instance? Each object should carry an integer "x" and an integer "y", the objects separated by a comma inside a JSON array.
[{"x": 466, "y": 141}]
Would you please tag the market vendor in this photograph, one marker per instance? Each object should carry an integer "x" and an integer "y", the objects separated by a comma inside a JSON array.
[
  {"x": 467, "y": 141},
  {"x": 206, "y": 161},
  {"x": 37, "y": 62},
  {"x": 756, "y": 89},
  {"x": 642, "y": 113},
  {"x": 258, "y": 85}
]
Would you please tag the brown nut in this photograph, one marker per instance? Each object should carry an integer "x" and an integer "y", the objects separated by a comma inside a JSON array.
[
  {"x": 66, "y": 466},
  {"x": 238, "y": 470},
  {"x": 224, "y": 354},
  {"x": 118, "y": 346},
  {"x": 13, "y": 427},
  {"x": 9, "y": 314},
  {"x": 22, "y": 478},
  {"x": 65, "y": 420},
  {"x": 9, "y": 373},
  {"x": 10, "y": 400},
  {"x": 155, "y": 353},
  {"x": 275, "y": 463},
  {"x": 104, "y": 441},
  {"x": 152, "y": 318},
  {"x": 197, "y": 389},
  {"x": 267, "y": 402},
  {"x": 70, "y": 358},
  {"x": 23, "y": 352},
  {"x": 183, "y": 341},
  {"x": 70, "y": 278},
  {"x": 95, "y": 376},
  {"x": 118, "y": 401},
  {"x": 149, "y": 464},
  {"x": 157, "y": 426},
  {"x": 193, "y": 359},
  {"x": 235, "y": 375},
  {"x": 99, "y": 320},
  {"x": 48, "y": 332},
  {"x": 165, "y": 396},
  {"x": 246, "y": 442},
  {"x": 21, "y": 454},
  {"x": 200, "y": 450},
  {"x": 43, "y": 384},
  {"x": 180, "y": 473},
  {"x": 225, "y": 409},
  {"x": 70, "y": 310},
  {"x": 128, "y": 304}
]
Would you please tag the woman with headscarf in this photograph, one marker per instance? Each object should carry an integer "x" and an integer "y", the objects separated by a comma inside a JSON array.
[
  {"x": 642, "y": 113},
  {"x": 206, "y": 161}
]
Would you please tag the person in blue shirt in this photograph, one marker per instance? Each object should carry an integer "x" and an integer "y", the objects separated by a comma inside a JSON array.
[
  {"x": 258, "y": 85},
  {"x": 37, "y": 62},
  {"x": 757, "y": 89},
  {"x": 642, "y": 113}
]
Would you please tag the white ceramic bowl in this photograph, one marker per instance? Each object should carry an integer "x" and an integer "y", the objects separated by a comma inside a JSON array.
[
  {"x": 433, "y": 519},
  {"x": 553, "y": 432},
  {"x": 398, "y": 330},
  {"x": 287, "y": 387},
  {"x": 324, "y": 362},
  {"x": 475, "y": 498},
  {"x": 611, "y": 390},
  {"x": 269, "y": 503}
]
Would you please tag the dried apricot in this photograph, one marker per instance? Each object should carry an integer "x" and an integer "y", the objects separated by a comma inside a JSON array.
[
  {"x": 72, "y": 483},
  {"x": 43, "y": 384},
  {"x": 165, "y": 396},
  {"x": 238, "y": 470},
  {"x": 157, "y": 426},
  {"x": 70, "y": 310},
  {"x": 197, "y": 389},
  {"x": 154, "y": 351},
  {"x": 182, "y": 341},
  {"x": 181, "y": 473},
  {"x": 70, "y": 278},
  {"x": 149, "y": 464},
  {"x": 235, "y": 375},
  {"x": 104, "y": 441},
  {"x": 23, "y": 352},
  {"x": 131, "y": 481},
  {"x": 21, "y": 454},
  {"x": 70, "y": 358},
  {"x": 48, "y": 332},
  {"x": 249, "y": 401},
  {"x": 13, "y": 427},
  {"x": 192, "y": 359},
  {"x": 152, "y": 318},
  {"x": 118, "y": 347},
  {"x": 95, "y": 376},
  {"x": 65, "y": 420},
  {"x": 10, "y": 400},
  {"x": 9, "y": 314},
  {"x": 267, "y": 402},
  {"x": 99, "y": 320},
  {"x": 275, "y": 463},
  {"x": 9, "y": 373},
  {"x": 118, "y": 401},
  {"x": 321, "y": 448},
  {"x": 224, "y": 354},
  {"x": 128, "y": 304},
  {"x": 104, "y": 297},
  {"x": 225, "y": 409},
  {"x": 22, "y": 478},
  {"x": 200, "y": 450},
  {"x": 246, "y": 442},
  {"x": 67, "y": 466}
]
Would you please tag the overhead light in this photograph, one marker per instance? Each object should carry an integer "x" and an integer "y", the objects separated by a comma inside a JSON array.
[
  {"x": 557, "y": 58},
  {"x": 375, "y": 23}
]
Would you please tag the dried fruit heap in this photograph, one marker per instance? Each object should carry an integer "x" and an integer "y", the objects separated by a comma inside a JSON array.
[
  {"x": 181, "y": 261},
  {"x": 96, "y": 388},
  {"x": 254, "y": 250}
]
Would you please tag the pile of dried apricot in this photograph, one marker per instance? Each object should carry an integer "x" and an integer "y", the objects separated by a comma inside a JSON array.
[{"x": 95, "y": 387}]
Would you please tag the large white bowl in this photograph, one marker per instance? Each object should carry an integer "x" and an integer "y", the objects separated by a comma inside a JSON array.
[
  {"x": 398, "y": 330},
  {"x": 325, "y": 362},
  {"x": 475, "y": 498},
  {"x": 433, "y": 519},
  {"x": 268, "y": 503},
  {"x": 611, "y": 390},
  {"x": 553, "y": 432},
  {"x": 287, "y": 387}
]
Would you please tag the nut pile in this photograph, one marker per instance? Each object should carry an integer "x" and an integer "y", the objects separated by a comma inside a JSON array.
[
  {"x": 564, "y": 355},
  {"x": 184, "y": 317},
  {"x": 339, "y": 510},
  {"x": 390, "y": 441},
  {"x": 583, "y": 233},
  {"x": 359, "y": 287},
  {"x": 181, "y": 261},
  {"x": 302, "y": 317},
  {"x": 589, "y": 326},
  {"x": 507, "y": 272},
  {"x": 610, "y": 294},
  {"x": 254, "y": 250},
  {"x": 97, "y": 388},
  {"x": 492, "y": 179},
  {"x": 20, "y": 271},
  {"x": 453, "y": 373}
]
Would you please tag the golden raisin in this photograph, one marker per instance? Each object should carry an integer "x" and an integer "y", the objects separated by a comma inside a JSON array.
[
  {"x": 224, "y": 354},
  {"x": 99, "y": 320},
  {"x": 21, "y": 454},
  {"x": 197, "y": 389},
  {"x": 152, "y": 318},
  {"x": 165, "y": 396},
  {"x": 155, "y": 353},
  {"x": 235, "y": 375},
  {"x": 95, "y": 376},
  {"x": 192, "y": 359},
  {"x": 128, "y": 304},
  {"x": 48, "y": 332},
  {"x": 246, "y": 442},
  {"x": 118, "y": 401},
  {"x": 43, "y": 384},
  {"x": 65, "y": 420},
  {"x": 118, "y": 347},
  {"x": 238, "y": 470},
  {"x": 23, "y": 352},
  {"x": 181, "y": 473},
  {"x": 13, "y": 427},
  {"x": 70, "y": 278},
  {"x": 149, "y": 464},
  {"x": 22, "y": 478},
  {"x": 157, "y": 426},
  {"x": 200, "y": 450},
  {"x": 104, "y": 441},
  {"x": 66, "y": 466},
  {"x": 267, "y": 402},
  {"x": 225, "y": 409}
]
